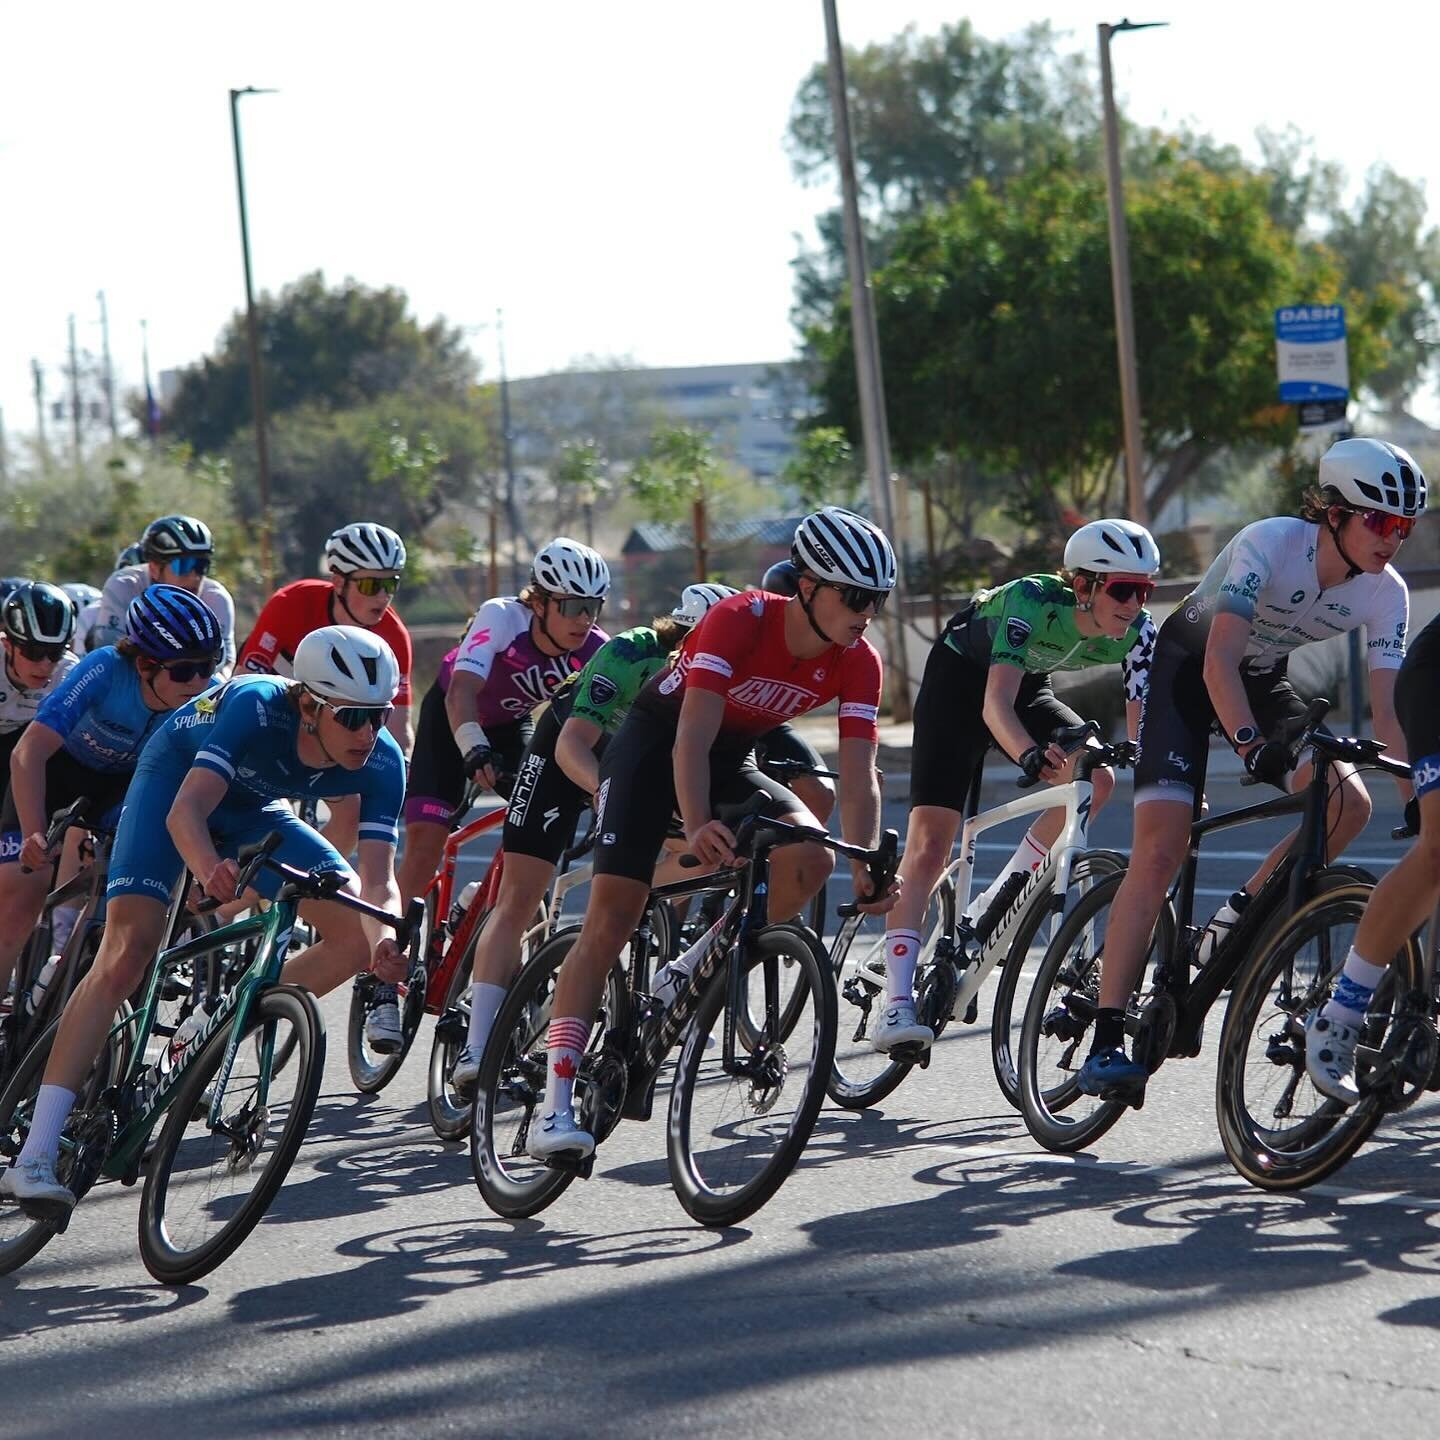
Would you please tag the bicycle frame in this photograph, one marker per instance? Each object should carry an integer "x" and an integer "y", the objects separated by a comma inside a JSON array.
[{"x": 274, "y": 927}]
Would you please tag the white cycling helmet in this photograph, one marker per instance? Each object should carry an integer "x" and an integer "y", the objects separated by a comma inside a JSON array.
[
  {"x": 80, "y": 594},
  {"x": 844, "y": 548},
  {"x": 1112, "y": 547},
  {"x": 566, "y": 567},
  {"x": 695, "y": 600},
  {"x": 363, "y": 546},
  {"x": 1373, "y": 475},
  {"x": 347, "y": 666}
]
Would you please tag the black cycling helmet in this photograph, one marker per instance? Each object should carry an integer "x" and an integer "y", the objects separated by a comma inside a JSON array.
[
  {"x": 782, "y": 578},
  {"x": 38, "y": 614},
  {"x": 174, "y": 535}
]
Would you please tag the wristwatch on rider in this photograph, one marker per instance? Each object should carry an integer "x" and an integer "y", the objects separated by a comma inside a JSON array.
[{"x": 1245, "y": 735}]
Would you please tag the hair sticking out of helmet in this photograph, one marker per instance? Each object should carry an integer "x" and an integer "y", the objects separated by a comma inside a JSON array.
[{"x": 1374, "y": 475}]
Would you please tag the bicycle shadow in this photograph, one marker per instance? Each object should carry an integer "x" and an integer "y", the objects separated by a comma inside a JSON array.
[
  {"x": 407, "y": 1267},
  {"x": 65, "y": 1307}
]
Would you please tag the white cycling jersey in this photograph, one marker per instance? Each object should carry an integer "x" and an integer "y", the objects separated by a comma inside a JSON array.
[
  {"x": 124, "y": 585},
  {"x": 1267, "y": 574},
  {"x": 17, "y": 704}
]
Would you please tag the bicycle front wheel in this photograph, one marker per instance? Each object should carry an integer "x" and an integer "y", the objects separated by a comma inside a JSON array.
[
  {"x": 737, "y": 1126},
  {"x": 206, "y": 1189},
  {"x": 1278, "y": 1131}
]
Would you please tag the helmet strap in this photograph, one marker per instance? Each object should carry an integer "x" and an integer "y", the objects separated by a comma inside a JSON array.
[
  {"x": 543, "y": 622},
  {"x": 1084, "y": 607},
  {"x": 809, "y": 613},
  {"x": 9, "y": 672},
  {"x": 1334, "y": 530},
  {"x": 339, "y": 599}
]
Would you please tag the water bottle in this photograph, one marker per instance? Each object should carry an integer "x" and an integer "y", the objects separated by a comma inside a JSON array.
[
  {"x": 36, "y": 998},
  {"x": 458, "y": 909},
  {"x": 185, "y": 1032}
]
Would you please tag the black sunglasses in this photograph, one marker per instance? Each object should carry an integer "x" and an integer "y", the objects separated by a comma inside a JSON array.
[
  {"x": 1124, "y": 591},
  {"x": 38, "y": 653},
  {"x": 357, "y": 717},
  {"x": 375, "y": 584},
  {"x": 572, "y": 605},
  {"x": 184, "y": 670},
  {"x": 857, "y": 598}
]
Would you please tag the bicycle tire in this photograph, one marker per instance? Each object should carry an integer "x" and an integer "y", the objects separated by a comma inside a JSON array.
[
  {"x": 695, "y": 1180},
  {"x": 372, "y": 1075},
  {"x": 450, "y": 1111},
  {"x": 22, "y": 1238},
  {"x": 516, "y": 1061},
  {"x": 175, "y": 1264},
  {"x": 1092, "y": 865},
  {"x": 1045, "y": 1105},
  {"x": 858, "y": 1081},
  {"x": 1327, "y": 1135}
]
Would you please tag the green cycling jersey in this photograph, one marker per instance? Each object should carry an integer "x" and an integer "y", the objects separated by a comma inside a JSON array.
[
  {"x": 1031, "y": 623},
  {"x": 613, "y": 676}
]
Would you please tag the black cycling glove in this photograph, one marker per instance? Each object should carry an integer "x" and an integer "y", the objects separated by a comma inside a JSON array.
[{"x": 1269, "y": 762}]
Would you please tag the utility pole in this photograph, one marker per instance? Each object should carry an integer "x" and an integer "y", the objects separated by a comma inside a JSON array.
[
  {"x": 145, "y": 369},
  {"x": 109, "y": 369},
  {"x": 74, "y": 396},
  {"x": 252, "y": 331},
  {"x": 38, "y": 372},
  {"x": 867, "y": 365},
  {"x": 4, "y": 457},
  {"x": 1120, "y": 281}
]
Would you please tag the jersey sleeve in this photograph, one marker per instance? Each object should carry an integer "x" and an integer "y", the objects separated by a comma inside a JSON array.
[
  {"x": 231, "y": 734},
  {"x": 222, "y": 606},
  {"x": 860, "y": 693},
  {"x": 115, "y": 600},
  {"x": 610, "y": 681},
  {"x": 725, "y": 639},
  {"x": 491, "y": 633},
  {"x": 399, "y": 642},
  {"x": 1019, "y": 613},
  {"x": 1387, "y": 626},
  {"x": 1135, "y": 667},
  {"x": 1249, "y": 573},
  {"x": 263, "y": 652},
  {"x": 383, "y": 792},
  {"x": 85, "y": 685}
]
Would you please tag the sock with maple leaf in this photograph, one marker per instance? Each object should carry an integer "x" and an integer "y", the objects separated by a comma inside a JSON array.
[{"x": 566, "y": 1044}]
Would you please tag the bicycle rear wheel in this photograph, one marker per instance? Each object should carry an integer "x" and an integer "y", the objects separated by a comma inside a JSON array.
[
  {"x": 87, "y": 1137},
  {"x": 372, "y": 1070},
  {"x": 510, "y": 1092},
  {"x": 1278, "y": 1131},
  {"x": 736, "y": 1131},
  {"x": 205, "y": 1190},
  {"x": 450, "y": 1110},
  {"x": 861, "y": 1076}
]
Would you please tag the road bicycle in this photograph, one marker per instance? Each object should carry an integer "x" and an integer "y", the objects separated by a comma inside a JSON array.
[
  {"x": 1168, "y": 1018},
  {"x": 956, "y": 957},
  {"x": 232, "y": 1121},
  {"x": 746, "y": 1092}
]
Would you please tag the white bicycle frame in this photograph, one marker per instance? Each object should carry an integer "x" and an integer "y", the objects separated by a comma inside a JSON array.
[{"x": 1076, "y": 797}]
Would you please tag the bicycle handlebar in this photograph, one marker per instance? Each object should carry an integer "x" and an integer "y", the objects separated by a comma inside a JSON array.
[
  {"x": 781, "y": 769},
  {"x": 72, "y": 814},
  {"x": 1071, "y": 738}
]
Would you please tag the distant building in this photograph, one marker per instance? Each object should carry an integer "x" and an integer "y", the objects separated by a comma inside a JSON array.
[{"x": 751, "y": 410}]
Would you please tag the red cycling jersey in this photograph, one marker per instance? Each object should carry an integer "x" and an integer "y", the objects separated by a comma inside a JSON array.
[
  {"x": 738, "y": 650},
  {"x": 292, "y": 612}
]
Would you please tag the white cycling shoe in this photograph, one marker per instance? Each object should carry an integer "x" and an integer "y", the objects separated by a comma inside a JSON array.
[
  {"x": 899, "y": 1026},
  {"x": 1330, "y": 1057},
  {"x": 558, "y": 1134},
  {"x": 467, "y": 1067},
  {"x": 33, "y": 1186},
  {"x": 382, "y": 1029}
]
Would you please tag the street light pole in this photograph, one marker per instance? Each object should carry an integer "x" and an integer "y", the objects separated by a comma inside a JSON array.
[
  {"x": 867, "y": 362},
  {"x": 252, "y": 329},
  {"x": 1120, "y": 279}
]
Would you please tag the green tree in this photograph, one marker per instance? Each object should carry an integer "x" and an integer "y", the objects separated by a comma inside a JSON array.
[
  {"x": 332, "y": 347},
  {"x": 680, "y": 478},
  {"x": 582, "y": 473},
  {"x": 997, "y": 331},
  {"x": 823, "y": 470}
]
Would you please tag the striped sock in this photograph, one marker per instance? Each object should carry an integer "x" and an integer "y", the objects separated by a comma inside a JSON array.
[{"x": 566, "y": 1044}]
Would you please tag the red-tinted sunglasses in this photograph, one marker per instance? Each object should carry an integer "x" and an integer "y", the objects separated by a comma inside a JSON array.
[
  {"x": 1385, "y": 525},
  {"x": 1124, "y": 591}
]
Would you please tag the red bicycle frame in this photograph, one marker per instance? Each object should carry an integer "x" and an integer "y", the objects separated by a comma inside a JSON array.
[{"x": 443, "y": 953}]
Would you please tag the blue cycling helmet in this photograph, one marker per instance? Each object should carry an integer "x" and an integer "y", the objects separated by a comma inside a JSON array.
[{"x": 166, "y": 623}]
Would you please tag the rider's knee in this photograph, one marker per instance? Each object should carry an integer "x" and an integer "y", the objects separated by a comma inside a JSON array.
[
  {"x": 1154, "y": 865},
  {"x": 926, "y": 855},
  {"x": 1353, "y": 805},
  {"x": 1102, "y": 783},
  {"x": 121, "y": 964},
  {"x": 811, "y": 866}
]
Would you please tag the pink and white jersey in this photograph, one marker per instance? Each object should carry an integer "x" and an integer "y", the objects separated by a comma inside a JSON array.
[{"x": 500, "y": 648}]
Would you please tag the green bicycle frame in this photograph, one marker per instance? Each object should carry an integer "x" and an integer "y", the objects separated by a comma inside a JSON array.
[{"x": 274, "y": 927}]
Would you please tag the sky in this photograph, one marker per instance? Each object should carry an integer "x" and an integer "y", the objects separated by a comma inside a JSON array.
[{"x": 610, "y": 173}]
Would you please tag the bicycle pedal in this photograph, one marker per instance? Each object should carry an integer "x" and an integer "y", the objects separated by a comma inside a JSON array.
[
  {"x": 972, "y": 1011},
  {"x": 572, "y": 1164},
  {"x": 924, "y": 1061},
  {"x": 452, "y": 1028}
]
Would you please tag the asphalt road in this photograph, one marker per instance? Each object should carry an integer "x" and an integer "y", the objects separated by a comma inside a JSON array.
[{"x": 925, "y": 1270}]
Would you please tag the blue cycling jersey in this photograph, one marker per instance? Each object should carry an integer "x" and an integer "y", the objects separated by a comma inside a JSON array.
[
  {"x": 99, "y": 711},
  {"x": 246, "y": 731}
]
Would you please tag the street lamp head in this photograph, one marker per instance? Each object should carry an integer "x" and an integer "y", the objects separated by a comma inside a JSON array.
[
  {"x": 251, "y": 90},
  {"x": 1137, "y": 25}
]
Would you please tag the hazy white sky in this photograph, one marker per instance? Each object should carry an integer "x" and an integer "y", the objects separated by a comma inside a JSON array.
[{"x": 610, "y": 172}]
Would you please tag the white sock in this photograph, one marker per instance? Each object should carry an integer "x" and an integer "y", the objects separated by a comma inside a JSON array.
[
  {"x": 1028, "y": 857},
  {"x": 485, "y": 1003},
  {"x": 670, "y": 979},
  {"x": 62, "y": 925},
  {"x": 53, "y": 1104},
  {"x": 1358, "y": 982},
  {"x": 902, "y": 950},
  {"x": 566, "y": 1044}
]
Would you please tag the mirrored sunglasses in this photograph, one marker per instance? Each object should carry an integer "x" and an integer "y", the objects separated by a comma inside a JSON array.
[
  {"x": 1384, "y": 525},
  {"x": 377, "y": 584},
  {"x": 357, "y": 717},
  {"x": 190, "y": 564},
  {"x": 571, "y": 606},
  {"x": 1124, "y": 591}
]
